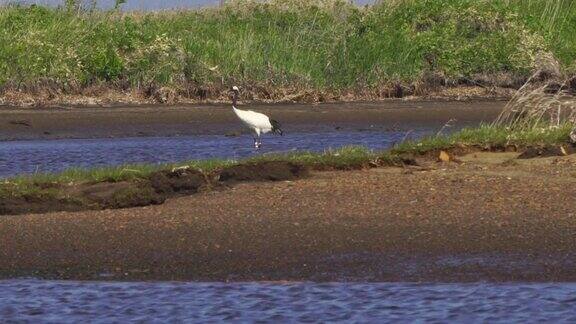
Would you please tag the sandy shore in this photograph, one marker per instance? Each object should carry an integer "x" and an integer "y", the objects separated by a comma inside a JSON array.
[
  {"x": 125, "y": 121},
  {"x": 491, "y": 217}
]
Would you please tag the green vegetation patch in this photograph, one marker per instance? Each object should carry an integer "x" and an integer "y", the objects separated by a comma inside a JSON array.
[
  {"x": 290, "y": 44},
  {"x": 489, "y": 136}
]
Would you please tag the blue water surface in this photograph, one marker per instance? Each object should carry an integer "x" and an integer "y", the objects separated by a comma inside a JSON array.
[
  {"x": 40, "y": 156},
  {"x": 36, "y": 301}
]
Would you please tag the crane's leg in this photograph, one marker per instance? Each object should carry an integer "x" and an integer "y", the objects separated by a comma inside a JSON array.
[
  {"x": 257, "y": 140},
  {"x": 256, "y": 136}
]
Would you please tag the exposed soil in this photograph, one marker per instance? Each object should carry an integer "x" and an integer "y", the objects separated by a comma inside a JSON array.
[
  {"x": 490, "y": 216},
  {"x": 107, "y": 195},
  {"x": 179, "y": 181},
  {"x": 263, "y": 171},
  {"x": 546, "y": 151},
  {"x": 153, "y": 190},
  {"x": 34, "y": 203}
]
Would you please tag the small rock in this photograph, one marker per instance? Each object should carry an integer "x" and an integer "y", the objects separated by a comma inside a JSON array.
[
  {"x": 444, "y": 157},
  {"x": 373, "y": 164},
  {"x": 181, "y": 169}
]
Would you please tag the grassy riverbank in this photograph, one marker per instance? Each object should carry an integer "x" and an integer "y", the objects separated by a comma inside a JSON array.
[
  {"x": 351, "y": 157},
  {"x": 141, "y": 185},
  {"x": 283, "y": 50}
]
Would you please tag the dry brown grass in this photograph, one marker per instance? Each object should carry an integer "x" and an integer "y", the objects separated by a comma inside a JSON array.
[{"x": 547, "y": 99}]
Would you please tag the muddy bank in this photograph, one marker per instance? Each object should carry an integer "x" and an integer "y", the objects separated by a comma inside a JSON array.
[
  {"x": 489, "y": 216},
  {"x": 159, "y": 120},
  {"x": 153, "y": 189}
]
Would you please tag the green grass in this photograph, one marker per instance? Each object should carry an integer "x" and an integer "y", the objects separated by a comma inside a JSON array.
[
  {"x": 318, "y": 45},
  {"x": 554, "y": 21},
  {"x": 114, "y": 174},
  {"x": 342, "y": 158},
  {"x": 487, "y": 135}
]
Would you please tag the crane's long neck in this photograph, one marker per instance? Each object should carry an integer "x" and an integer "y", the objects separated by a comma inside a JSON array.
[{"x": 235, "y": 100}]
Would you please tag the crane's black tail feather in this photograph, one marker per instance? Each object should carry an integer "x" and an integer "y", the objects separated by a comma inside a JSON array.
[{"x": 276, "y": 127}]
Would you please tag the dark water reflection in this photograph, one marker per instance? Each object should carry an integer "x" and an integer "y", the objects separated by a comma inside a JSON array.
[
  {"x": 63, "y": 302},
  {"x": 18, "y": 157}
]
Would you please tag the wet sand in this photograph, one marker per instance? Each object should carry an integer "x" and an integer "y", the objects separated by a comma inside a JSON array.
[
  {"x": 491, "y": 217},
  {"x": 124, "y": 121}
]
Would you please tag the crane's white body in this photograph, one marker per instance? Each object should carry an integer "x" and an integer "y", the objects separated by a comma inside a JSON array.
[{"x": 257, "y": 122}]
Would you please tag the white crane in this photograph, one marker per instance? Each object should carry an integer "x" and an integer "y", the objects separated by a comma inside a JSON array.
[{"x": 258, "y": 123}]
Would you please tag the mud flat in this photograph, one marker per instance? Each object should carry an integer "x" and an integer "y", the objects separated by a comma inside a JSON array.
[
  {"x": 158, "y": 120},
  {"x": 152, "y": 189},
  {"x": 489, "y": 216}
]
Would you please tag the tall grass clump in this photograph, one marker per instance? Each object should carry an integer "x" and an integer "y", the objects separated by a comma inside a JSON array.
[
  {"x": 538, "y": 107},
  {"x": 278, "y": 49}
]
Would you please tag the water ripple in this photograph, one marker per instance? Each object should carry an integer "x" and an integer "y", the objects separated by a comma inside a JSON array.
[
  {"x": 18, "y": 157},
  {"x": 62, "y": 302}
]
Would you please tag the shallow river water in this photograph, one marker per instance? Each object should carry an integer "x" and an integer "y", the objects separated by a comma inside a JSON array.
[
  {"x": 19, "y": 157},
  {"x": 45, "y": 140},
  {"x": 36, "y": 301}
]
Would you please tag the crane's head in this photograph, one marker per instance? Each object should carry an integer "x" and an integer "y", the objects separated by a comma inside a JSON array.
[{"x": 235, "y": 92}]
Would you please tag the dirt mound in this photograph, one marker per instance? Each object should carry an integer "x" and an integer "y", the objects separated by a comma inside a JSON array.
[
  {"x": 263, "y": 171},
  {"x": 120, "y": 195},
  {"x": 547, "y": 151},
  {"x": 86, "y": 196},
  {"x": 38, "y": 204},
  {"x": 154, "y": 190},
  {"x": 178, "y": 181}
]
